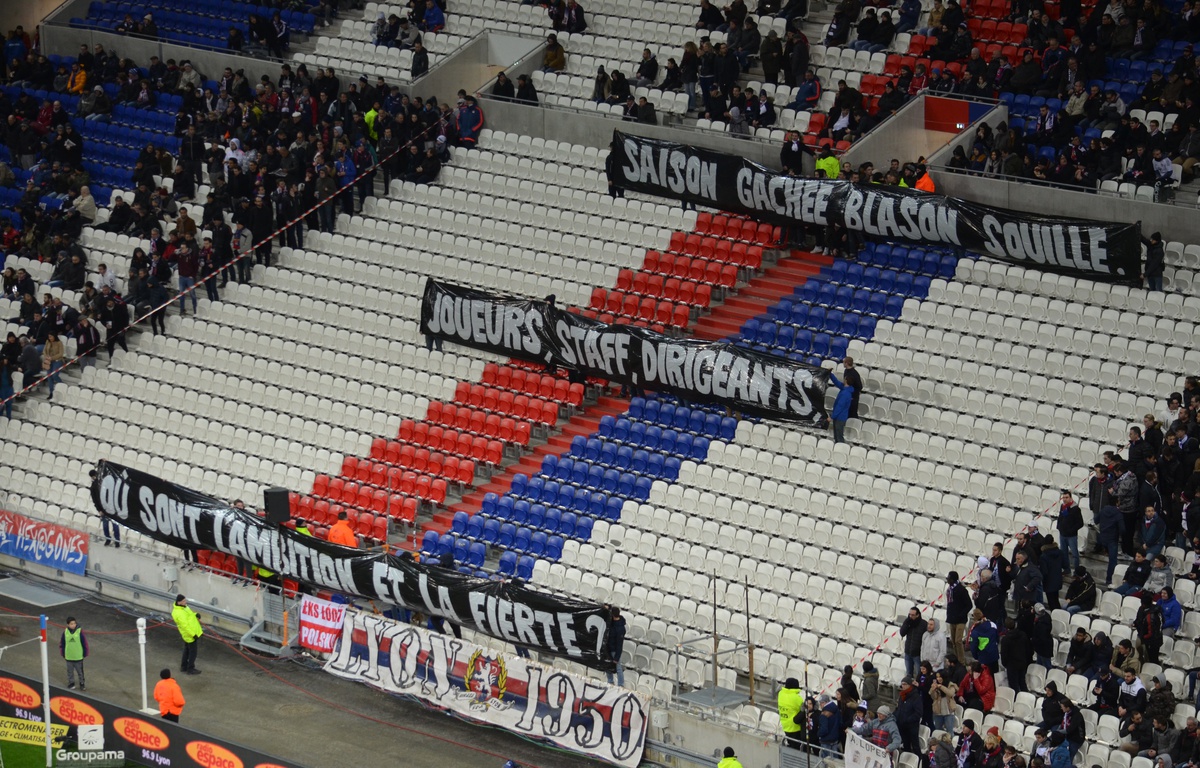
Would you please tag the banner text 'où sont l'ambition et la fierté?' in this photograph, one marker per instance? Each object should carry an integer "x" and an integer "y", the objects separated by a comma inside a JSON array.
[{"x": 509, "y": 610}]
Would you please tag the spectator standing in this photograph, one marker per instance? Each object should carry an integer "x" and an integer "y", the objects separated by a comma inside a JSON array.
[
  {"x": 985, "y": 641},
  {"x": 73, "y": 646},
  {"x": 614, "y": 645},
  {"x": 187, "y": 264},
  {"x": 188, "y": 623},
  {"x": 912, "y": 627},
  {"x": 1016, "y": 654},
  {"x": 1052, "y": 566},
  {"x": 933, "y": 644},
  {"x": 1069, "y": 524},
  {"x": 909, "y": 709},
  {"x": 958, "y": 609}
]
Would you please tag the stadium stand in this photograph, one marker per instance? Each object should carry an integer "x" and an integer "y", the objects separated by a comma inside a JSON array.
[{"x": 989, "y": 387}]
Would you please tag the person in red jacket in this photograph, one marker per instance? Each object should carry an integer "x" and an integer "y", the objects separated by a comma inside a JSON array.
[{"x": 978, "y": 689}]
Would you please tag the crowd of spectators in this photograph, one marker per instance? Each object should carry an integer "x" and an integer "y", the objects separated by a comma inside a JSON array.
[
  {"x": 999, "y": 625},
  {"x": 269, "y": 153}
]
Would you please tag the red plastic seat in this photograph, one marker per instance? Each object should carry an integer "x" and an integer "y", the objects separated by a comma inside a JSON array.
[
  {"x": 320, "y": 485},
  {"x": 678, "y": 242},
  {"x": 378, "y": 448},
  {"x": 349, "y": 465},
  {"x": 687, "y": 292},
  {"x": 671, "y": 289},
  {"x": 613, "y": 302},
  {"x": 681, "y": 316},
  {"x": 625, "y": 280},
  {"x": 704, "y": 222},
  {"x": 666, "y": 263},
  {"x": 650, "y": 261},
  {"x": 629, "y": 305},
  {"x": 653, "y": 285},
  {"x": 379, "y": 531},
  {"x": 640, "y": 282},
  {"x": 465, "y": 473}
]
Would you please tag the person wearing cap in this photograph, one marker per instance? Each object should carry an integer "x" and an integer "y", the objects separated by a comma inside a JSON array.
[
  {"x": 969, "y": 751},
  {"x": 729, "y": 759},
  {"x": 1155, "y": 265},
  {"x": 884, "y": 732},
  {"x": 188, "y": 623},
  {"x": 790, "y": 703},
  {"x": 1107, "y": 690},
  {"x": 860, "y": 721},
  {"x": 829, "y": 726}
]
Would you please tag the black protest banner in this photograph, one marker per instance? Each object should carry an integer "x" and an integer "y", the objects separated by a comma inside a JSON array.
[
  {"x": 507, "y": 610},
  {"x": 129, "y": 737},
  {"x": 743, "y": 379},
  {"x": 1093, "y": 249}
]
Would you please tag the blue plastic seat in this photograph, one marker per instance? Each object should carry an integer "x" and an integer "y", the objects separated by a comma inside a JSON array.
[
  {"x": 549, "y": 465},
  {"x": 592, "y": 449},
  {"x": 476, "y": 554},
  {"x": 608, "y": 454},
  {"x": 508, "y": 564},
  {"x": 521, "y": 539},
  {"x": 816, "y": 317},
  {"x": 801, "y": 343},
  {"x": 612, "y": 507},
  {"x": 766, "y": 333},
  {"x": 612, "y": 479},
  {"x": 520, "y": 511},
  {"x": 475, "y": 527},
  {"x": 820, "y": 345},
  {"x": 849, "y": 326},
  {"x": 552, "y": 520},
  {"x": 653, "y": 438},
  {"x": 595, "y": 477},
  {"x": 491, "y": 530},
  {"x": 636, "y": 406},
  {"x": 583, "y": 527},
  {"x": 462, "y": 549},
  {"x": 520, "y": 483},
  {"x": 800, "y": 314},
  {"x": 429, "y": 544},
  {"x": 508, "y": 533},
  {"x": 537, "y": 543},
  {"x": 749, "y": 328},
  {"x": 650, "y": 412},
  {"x": 537, "y": 513},
  {"x": 564, "y": 469},
  {"x": 666, "y": 414},
  {"x": 641, "y": 459},
  {"x": 579, "y": 472},
  {"x": 554, "y": 547},
  {"x": 807, "y": 292},
  {"x": 620, "y": 432},
  {"x": 525, "y": 568},
  {"x": 835, "y": 272},
  {"x": 533, "y": 488},
  {"x": 833, "y": 321},
  {"x": 567, "y": 523},
  {"x": 624, "y": 457},
  {"x": 641, "y": 488},
  {"x": 781, "y": 310},
  {"x": 607, "y": 423},
  {"x": 786, "y": 336},
  {"x": 504, "y": 507},
  {"x": 827, "y": 295}
]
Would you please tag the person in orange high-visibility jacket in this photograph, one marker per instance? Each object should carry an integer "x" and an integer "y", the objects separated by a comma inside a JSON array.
[
  {"x": 342, "y": 533},
  {"x": 169, "y": 696},
  {"x": 924, "y": 180}
]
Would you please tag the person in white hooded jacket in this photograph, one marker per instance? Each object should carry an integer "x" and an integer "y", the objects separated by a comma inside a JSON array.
[{"x": 933, "y": 644}]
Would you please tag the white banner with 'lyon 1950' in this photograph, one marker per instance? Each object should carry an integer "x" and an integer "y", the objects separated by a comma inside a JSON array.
[
  {"x": 530, "y": 699},
  {"x": 320, "y": 624}
]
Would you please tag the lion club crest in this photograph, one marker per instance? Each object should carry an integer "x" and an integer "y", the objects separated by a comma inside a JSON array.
[{"x": 485, "y": 679}]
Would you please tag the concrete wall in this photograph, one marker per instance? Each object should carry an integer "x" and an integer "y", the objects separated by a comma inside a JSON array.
[
  {"x": 29, "y": 13},
  {"x": 475, "y": 65},
  {"x": 594, "y": 130},
  {"x": 941, "y": 157},
  {"x": 65, "y": 41},
  {"x": 902, "y": 136},
  {"x": 150, "y": 581}
]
